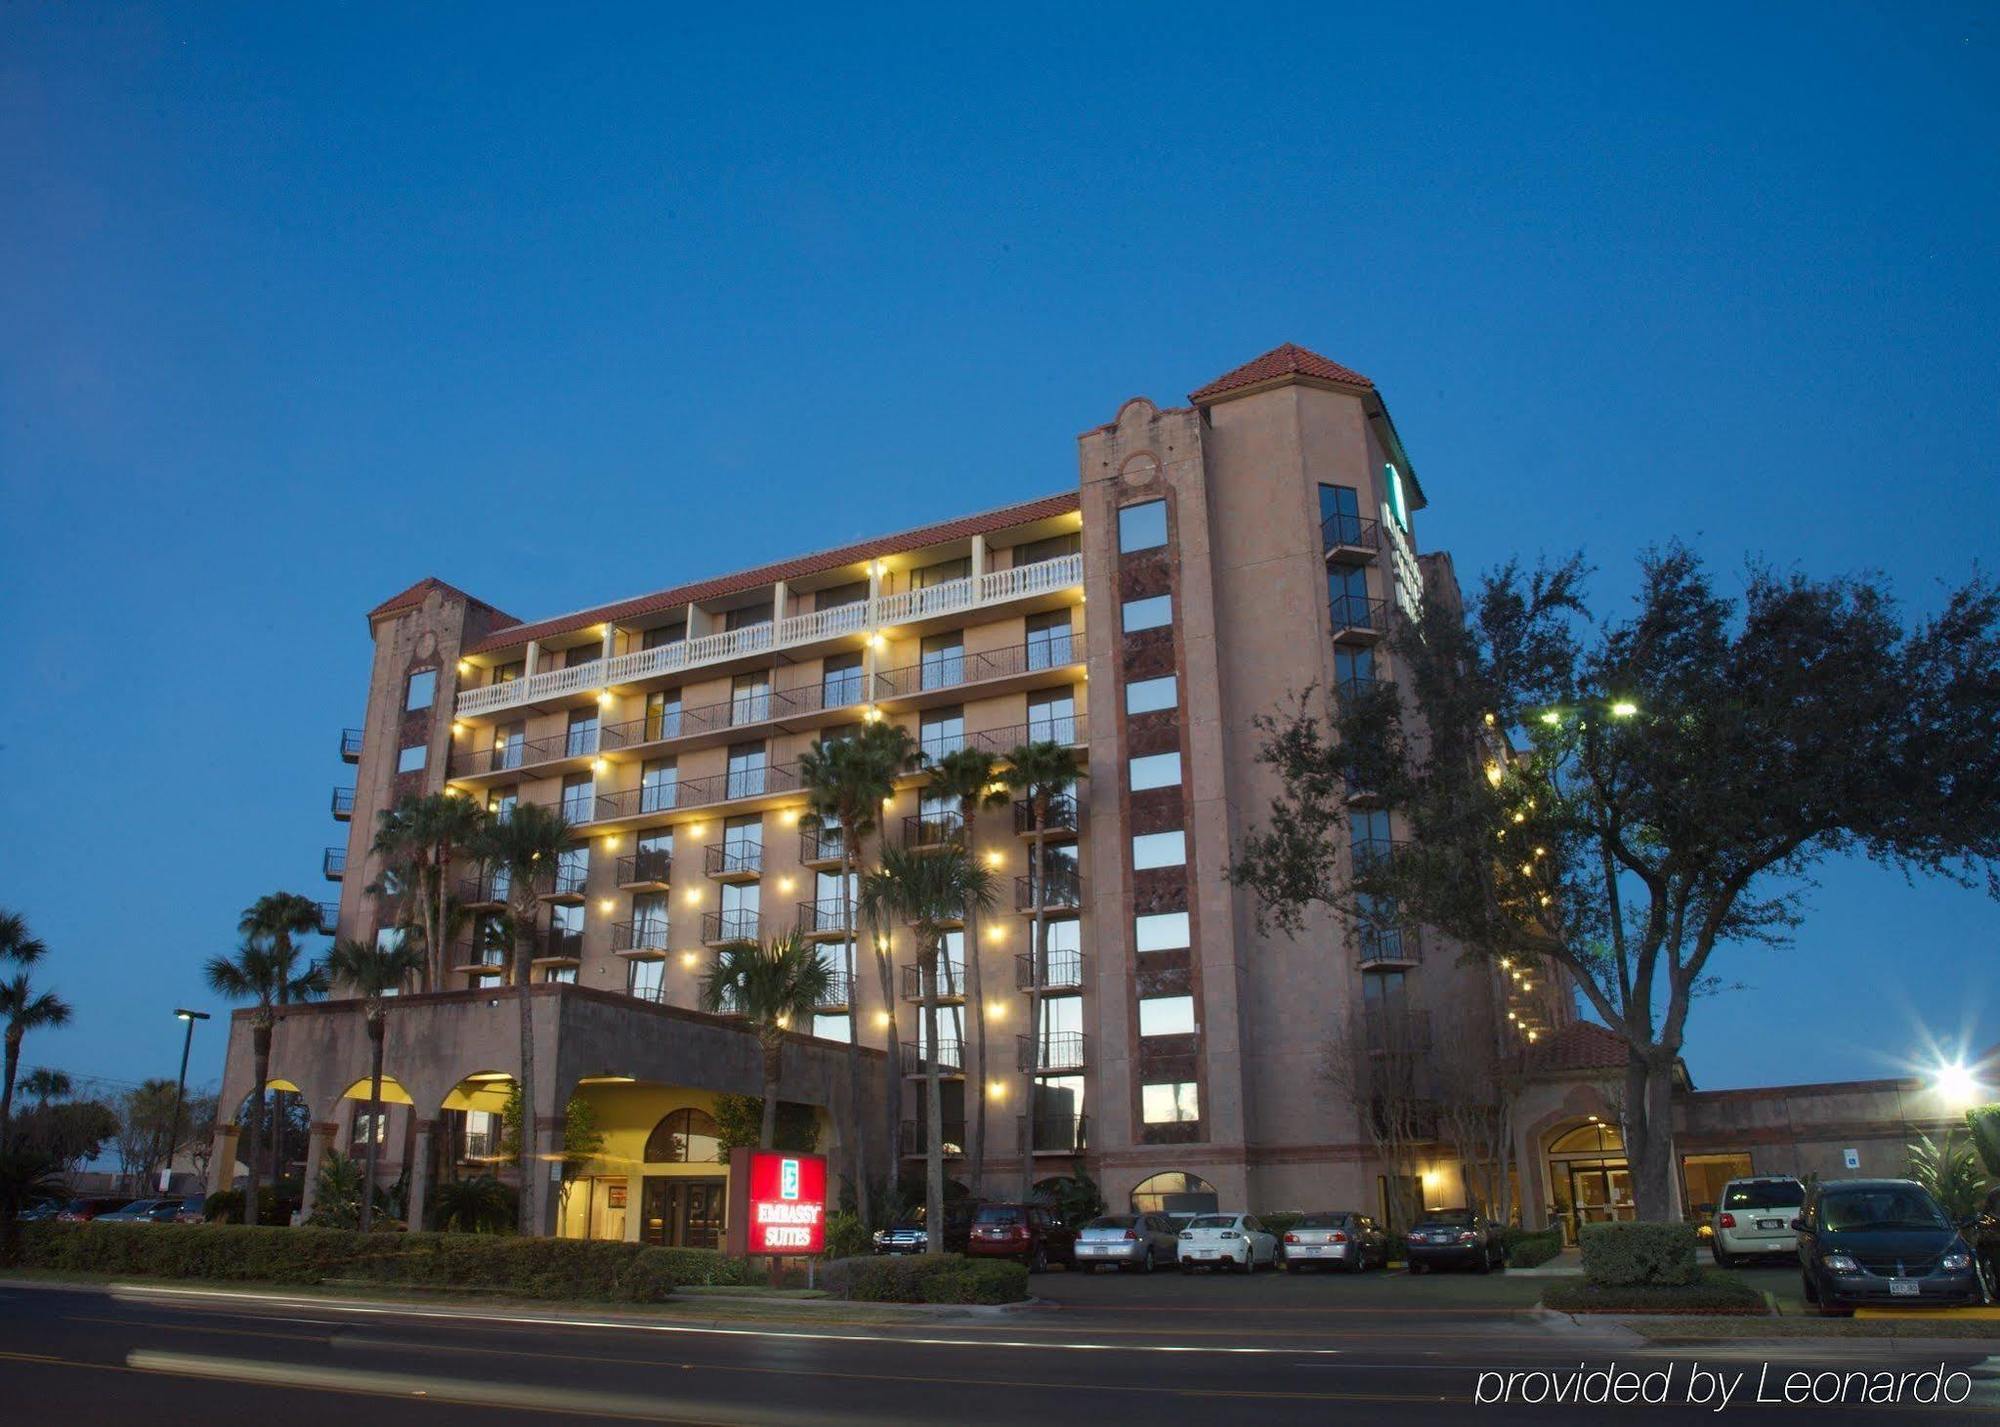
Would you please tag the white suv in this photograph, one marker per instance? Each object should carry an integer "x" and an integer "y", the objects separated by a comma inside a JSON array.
[{"x": 1754, "y": 1216}]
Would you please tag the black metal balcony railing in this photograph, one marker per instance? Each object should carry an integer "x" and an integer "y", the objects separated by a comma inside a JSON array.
[
  {"x": 738, "y": 925},
  {"x": 329, "y": 917},
  {"x": 1064, "y": 892},
  {"x": 646, "y": 869},
  {"x": 1064, "y": 971},
  {"x": 819, "y": 846},
  {"x": 733, "y": 859},
  {"x": 1058, "y": 1050},
  {"x": 554, "y": 944},
  {"x": 343, "y": 804},
  {"x": 333, "y": 863},
  {"x": 930, "y": 830},
  {"x": 831, "y": 917},
  {"x": 916, "y": 1137},
  {"x": 644, "y": 934},
  {"x": 1054, "y": 1134},
  {"x": 487, "y": 887},
  {"x": 950, "y": 981},
  {"x": 490, "y": 957},
  {"x": 1389, "y": 946},
  {"x": 1061, "y": 821},
  {"x": 350, "y": 745},
  {"x": 568, "y": 882},
  {"x": 1391, "y": 1032},
  {"x": 1359, "y": 614},
  {"x": 949, "y": 670},
  {"x": 839, "y": 993},
  {"x": 1066, "y": 729},
  {"x": 1340, "y": 534},
  {"x": 950, "y": 1057},
  {"x": 1375, "y": 854}
]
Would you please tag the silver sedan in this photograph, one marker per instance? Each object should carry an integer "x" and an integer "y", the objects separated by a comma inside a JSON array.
[{"x": 1131, "y": 1241}]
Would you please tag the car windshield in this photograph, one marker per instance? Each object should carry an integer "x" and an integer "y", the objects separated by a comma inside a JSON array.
[
  {"x": 1323, "y": 1221},
  {"x": 1111, "y": 1221},
  {"x": 999, "y": 1214},
  {"x": 1765, "y": 1194},
  {"x": 1443, "y": 1221},
  {"x": 1213, "y": 1221},
  {"x": 1889, "y": 1207}
]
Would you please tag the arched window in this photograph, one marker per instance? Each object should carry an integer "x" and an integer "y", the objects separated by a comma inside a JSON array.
[
  {"x": 1593, "y": 1138},
  {"x": 1173, "y": 1192},
  {"x": 684, "y": 1137}
]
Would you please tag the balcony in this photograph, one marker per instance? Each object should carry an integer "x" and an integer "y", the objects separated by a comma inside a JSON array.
[
  {"x": 1396, "y": 1032},
  {"x": 578, "y": 745},
  {"x": 1062, "y": 817},
  {"x": 819, "y": 847},
  {"x": 641, "y": 940},
  {"x": 647, "y": 802},
  {"x": 950, "y": 981},
  {"x": 1067, "y": 730},
  {"x": 343, "y": 805},
  {"x": 829, "y": 918},
  {"x": 1350, "y": 539},
  {"x": 839, "y": 993},
  {"x": 471, "y": 959},
  {"x": 350, "y": 745},
  {"x": 566, "y": 884},
  {"x": 486, "y": 888},
  {"x": 554, "y": 947},
  {"x": 733, "y": 861},
  {"x": 1064, "y": 892},
  {"x": 719, "y": 928},
  {"x": 1054, "y": 1134},
  {"x": 931, "y": 831},
  {"x": 1357, "y": 619},
  {"x": 333, "y": 863},
  {"x": 1064, "y": 971},
  {"x": 1378, "y": 947},
  {"x": 957, "y": 668},
  {"x": 329, "y": 917},
  {"x": 646, "y": 870},
  {"x": 1375, "y": 855},
  {"x": 1060, "y": 1051},
  {"x": 916, "y": 1138},
  {"x": 995, "y": 587},
  {"x": 951, "y": 1057}
]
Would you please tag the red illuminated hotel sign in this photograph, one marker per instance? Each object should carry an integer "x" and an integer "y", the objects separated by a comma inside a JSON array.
[{"x": 777, "y": 1202}]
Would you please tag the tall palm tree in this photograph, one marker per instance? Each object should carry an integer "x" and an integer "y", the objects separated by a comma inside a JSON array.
[
  {"x": 529, "y": 843},
  {"x": 969, "y": 775},
  {"x": 260, "y": 972},
  {"x": 932, "y": 890},
  {"x": 23, "y": 1009},
  {"x": 46, "y": 1085},
  {"x": 847, "y": 781},
  {"x": 1041, "y": 772},
  {"x": 17, "y": 943},
  {"x": 375, "y": 973},
  {"x": 277, "y": 918},
  {"x": 420, "y": 838},
  {"x": 773, "y": 986}
]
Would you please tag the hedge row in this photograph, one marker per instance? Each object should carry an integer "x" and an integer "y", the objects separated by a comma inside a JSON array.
[
  {"x": 1527, "y": 1248},
  {"x": 925, "y": 1278},
  {"x": 1630, "y": 1255},
  {"x": 1713, "y": 1292},
  {"x": 527, "y": 1267}
]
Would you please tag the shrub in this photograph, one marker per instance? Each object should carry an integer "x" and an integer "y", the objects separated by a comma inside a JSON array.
[
  {"x": 925, "y": 1278},
  {"x": 1527, "y": 1248},
  {"x": 1984, "y": 1122},
  {"x": 275, "y": 1204},
  {"x": 1278, "y": 1223},
  {"x": 846, "y": 1236},
  {"x": 1713, "y": 1292},
  {"x": 481, "y": 1205},
  {"x": 1622, "y": 1255}
]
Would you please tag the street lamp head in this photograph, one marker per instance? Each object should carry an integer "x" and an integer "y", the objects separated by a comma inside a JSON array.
[
  {"x": 1624, "y": 708},
  {"x": 184, "y": 1014}
]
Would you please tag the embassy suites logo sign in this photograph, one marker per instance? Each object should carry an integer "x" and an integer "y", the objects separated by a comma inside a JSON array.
[
  {"x": 1720, "y": 1388},
  {"x": 777, "y": 1202}
]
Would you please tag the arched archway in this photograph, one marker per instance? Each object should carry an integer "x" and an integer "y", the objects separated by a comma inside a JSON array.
[
  {"x": 1174, "y": 1191},
  {"x": 1589, "y": 1180},
  {"x": 685, "y": 1136}
]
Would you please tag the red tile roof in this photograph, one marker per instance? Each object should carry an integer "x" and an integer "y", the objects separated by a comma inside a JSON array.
[
  {"x": 1580, "y": 1045},
  {"x": 415, "y": 594},
  {"x": 1290, "y": 360},
  {"x": 793, "y": 569}
]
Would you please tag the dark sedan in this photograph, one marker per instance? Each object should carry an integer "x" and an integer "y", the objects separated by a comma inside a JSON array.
[
  {"x": 1883, "y": 1241},
  {"x": 1454, "y": 1238}
]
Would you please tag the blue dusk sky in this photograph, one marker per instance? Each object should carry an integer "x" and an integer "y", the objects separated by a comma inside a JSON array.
[{"x": 299, "y": 304}]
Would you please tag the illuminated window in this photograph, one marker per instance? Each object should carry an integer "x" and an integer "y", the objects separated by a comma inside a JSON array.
[{"x": 685, "y": 1137}]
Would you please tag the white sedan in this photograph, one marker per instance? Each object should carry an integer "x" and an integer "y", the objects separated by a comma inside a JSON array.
[{"x": 1237, "y": 1241}]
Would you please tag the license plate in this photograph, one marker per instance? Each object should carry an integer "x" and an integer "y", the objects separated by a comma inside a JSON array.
[
  {"x": 1903, "y": 1288},
  {"x": 1204, "y": 1253},
  {"x": 1770, "y": 1223},
  {"x": 1440, "y": 1238}
]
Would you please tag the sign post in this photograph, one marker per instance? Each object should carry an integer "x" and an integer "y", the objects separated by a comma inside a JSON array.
[{"x": 777, "y": 1204}]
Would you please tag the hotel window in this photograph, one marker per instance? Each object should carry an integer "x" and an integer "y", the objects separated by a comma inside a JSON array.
[
  {"x": 1368, "y": 835},
  {"x": 826, "y": 894},
  {"x": 1153, "y": 612},
  {"x": 1148, "y": 695},
  {"x": 565, "y": 931},
  {"x": 831, "y": 1026},
  {"x": 1065, "y": 954},
  {"x": 942, "y": 573},
  {"x": 1155, "y": 770},
  {"x": 1347, "y": 597},
  {"x": 491, "y": 943},
  {"x": 1052, "y": 717},
  {"x": 663, "y": 714},
  {"x": 1339, "y": 516},
  {"x": 840, "y": 681},
  {"x": 1142, "y": 527},
  {"x": 662, "y": 635},
  {"x": 659, "y": 784},
  {"x": 1049, "y": 640},
  {"x": 747, "y": 618},
  {"x": 739, "y": 910},
  {"x": 750, "y": 697},
  {"x": 941, "y": 731},
  {"x": 582, "y": 732},
  {"x": 560, "y": 975},
  {"x": 743, "y": 841},
  {"x": 411, "y": 759},
  {"x": 655, "y": 855},
  {"x": 500, "y": 803},
  {"x": 510, "y": 746},
  {"x": 840, "y": 596},
  {"x": 747, "y": 764},
  {"x": 1166, "y": 1016},
  {"x": 421, "y": 690},
  {"x": 646, "y": 980},
  {"x": 366, "y": 1127},
  {"x": 483, "y": 1129},
  {"x": 1159, "y": 849},
  {"x": 1175, "y": 1103},
  {"x": 1382, "y": 992},
  {"x": 649, "y": 920},
  {"x": 583, "y": 654},
  {"x": 579, "y": 797},
  {"x": 573, "y": 870},
  {"x": 1353, "y": 671},
  {"x": 508, "y": 673},
  {"x": 943, "y": 660},
  {"x": 1034, "y": 552}
]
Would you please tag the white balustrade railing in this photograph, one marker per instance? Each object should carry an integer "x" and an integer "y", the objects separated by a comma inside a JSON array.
[{"x": 994, "y": 587}]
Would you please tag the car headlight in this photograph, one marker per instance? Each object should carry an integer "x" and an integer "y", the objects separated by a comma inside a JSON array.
[
  {"x": 881, "y": 1236},
  {"x": 1955, "y": 1262},
  {"x": 1840, "y": 1263}
]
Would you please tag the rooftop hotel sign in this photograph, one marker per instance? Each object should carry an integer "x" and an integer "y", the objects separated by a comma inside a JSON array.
[{"x": 777, "y": 1202}]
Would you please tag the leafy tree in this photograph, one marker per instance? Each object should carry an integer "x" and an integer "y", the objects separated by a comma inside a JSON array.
[
  {"x": 1984, "y": 1123},
  {"x": 145, "y": 1131},
  {"x": 932, "y": 890},
  {"x": 1041, "y": 772},
  {"x": 529, "y": 843},
  {"x": 480, "y": 1205},
  {"x": 583, "y": 1141},
  {"x": 27, "y": 1177},
  {"x": 1608, "y": 805},
  {"x": 1074, "y": 1196},
  {"x": 774, "y": 986},
  {"x": 265, "y": 972},
  {"x": 71, "y": 1132},
  {"x": 375, "y": 973},
  {"x": 1951, "y": 1171},
  {"x": 419, "y": 839},
  {"x": 739, "y": 1121},
  {"x": 281, "y": 919}
]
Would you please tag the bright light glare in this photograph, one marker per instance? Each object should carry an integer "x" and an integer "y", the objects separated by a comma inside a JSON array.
[
  {"x": 1624, "y": 708},
  {"x": 1552, "y": 718},
  {"x": 1956, "y": 1085}
]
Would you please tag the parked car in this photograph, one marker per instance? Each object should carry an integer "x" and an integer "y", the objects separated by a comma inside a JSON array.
[
  {"x": 908, "y": 1235},
  {"x": 193, "y": 1210},
  {"x": 1455, "y": 1238},
  {"x": 1033, "y": 1234},
  {"x": 1338, "y": 1239},
  {"x": 1131, "y": 1241},
  {"x": 143, "y": 1211},
  {"x": 1754, "y": 1216},
  {"x": 1864, "y": 1241},
  {"x": 1236, "y": 1240},
  {"x": 1986, "y": 1243},
  {"x": 82, "y": 1211}
]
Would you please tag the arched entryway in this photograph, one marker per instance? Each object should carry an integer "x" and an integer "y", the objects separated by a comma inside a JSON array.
[
  {"x": 684, "y": 1194},
  {"x": 1174, "y": 1192},
  {"x": 1589, "y": 1180}
]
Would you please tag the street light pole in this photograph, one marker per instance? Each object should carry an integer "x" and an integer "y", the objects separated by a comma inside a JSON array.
[{"x": 180, "y": 1092}]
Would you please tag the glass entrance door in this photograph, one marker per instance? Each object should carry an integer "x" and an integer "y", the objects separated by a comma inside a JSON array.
[
  {"x": 1600, "y": 1193},
  {"x": 684, "y": 1213}
]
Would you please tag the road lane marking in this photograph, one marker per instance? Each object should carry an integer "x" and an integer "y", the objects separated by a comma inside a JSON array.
[{"x": 149, "y": 1324}]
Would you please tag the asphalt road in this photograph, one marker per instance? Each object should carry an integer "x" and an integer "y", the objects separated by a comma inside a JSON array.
[{"x": 1164, "y": 1351}]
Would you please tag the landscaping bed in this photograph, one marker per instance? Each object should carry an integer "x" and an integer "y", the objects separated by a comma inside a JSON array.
[
  {"x": 1714, "y": 1292},
  {"x": 924, "y": 1278}
]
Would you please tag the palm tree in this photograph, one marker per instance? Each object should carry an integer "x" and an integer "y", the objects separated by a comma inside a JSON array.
[
  {"x": 262, "y": 973},
  {"x": 23, "y": 1009},
  {"x": 1041, "y": 772},
  {"x": 529, "y": 843},
  {"x": 931, "y": 890},
  {"x": 773, "y": 986},
  {"x": 276, "y": 918},
  {"x": 419, "y": 838},
  {"x": 847, "y": 781},
  {"x": 375, "y": 973},
  {"x": 17, "y": 943},
  {"x": 46, "y": 1085},
  {"x": 968, "y": 774}
]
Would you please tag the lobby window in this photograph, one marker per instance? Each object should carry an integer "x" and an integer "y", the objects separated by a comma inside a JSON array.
[
  {"x": 1159, "y": 849},
  {"x": 747, "y": 763},
  {"x": 1166, "y": 1016},
  {"x": 840, "y": 681},
  {"x": 421, "y": 691},
  {"x": 582, "y": 732},
  {"x": 1150, "y": 695},
  {"x": 1155, "y": 770},
  {"x": 1174, "y": 1103},
  {"x": 1142, "y": 527},
  {"x": 411, "y": 759},
  {"x": 1052, "y": 716},
  {"x": 1161, "y": 931},
  {"x": 659, "y": 784},
  {"x": 1339, "y": 516},
  {"x": 685, "y": 1137},
  {"x": 1153, "y": 612},
  {"x": 943, "y": 660},
  {"x": 1049, "y": 640},
  {"x": 750, "y": 697}
]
